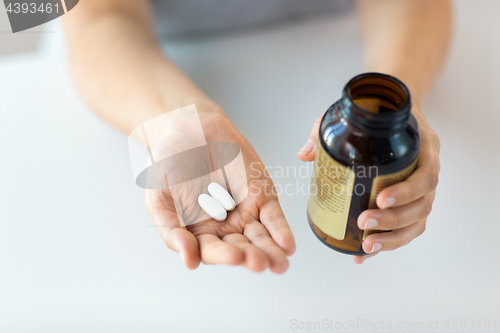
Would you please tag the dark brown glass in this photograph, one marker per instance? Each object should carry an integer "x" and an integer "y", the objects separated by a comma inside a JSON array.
[{"x": 371, "y": 125}]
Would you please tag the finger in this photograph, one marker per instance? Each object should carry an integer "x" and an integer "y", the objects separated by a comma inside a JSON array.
[
  {"x": 254, "y": 258},
  {"x": 387, "y": 241},
  {"x": 184, "y": 243},
  {"x": 175, "y": 237},
  {"x": 259, "y": 236},
  {"x": 271, "y": 216},
  {"x": 424, "y": 180},
  {"x": 397, "y": 217},
  {"x": 308, "y": 151},
  {"x": 361, "y": 259},
  {"x": 214, "y": 251}
]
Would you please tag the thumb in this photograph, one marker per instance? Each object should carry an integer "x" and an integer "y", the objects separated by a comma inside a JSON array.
[{"x": 308, "y": 152}]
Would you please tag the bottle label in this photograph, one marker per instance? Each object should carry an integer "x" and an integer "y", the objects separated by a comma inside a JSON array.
[
  {"x": 330, "y": 194},
  {"x": 381, "y": 182}
]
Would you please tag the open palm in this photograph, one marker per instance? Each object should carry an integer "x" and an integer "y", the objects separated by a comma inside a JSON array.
[{"x": 255, "y": 235}]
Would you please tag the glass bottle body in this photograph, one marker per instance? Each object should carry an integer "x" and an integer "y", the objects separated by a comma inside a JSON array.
[{"x": 367, "y": 140}]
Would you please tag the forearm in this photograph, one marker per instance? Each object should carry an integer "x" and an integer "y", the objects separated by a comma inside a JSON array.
[
  {"x": 119, "y": 67},
  {"x": 407, "y": 38}
]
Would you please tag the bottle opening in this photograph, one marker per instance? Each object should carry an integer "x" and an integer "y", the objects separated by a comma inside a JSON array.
[
  {"x": 376, "y": 100},
  {"x": 377, "y": 94}
]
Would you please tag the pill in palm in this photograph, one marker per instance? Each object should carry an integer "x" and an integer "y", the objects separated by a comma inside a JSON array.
[
  {"x": 212, "y": 207},
  {"x": 220, "y": 194}
]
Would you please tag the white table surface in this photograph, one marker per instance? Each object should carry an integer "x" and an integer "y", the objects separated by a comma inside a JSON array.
[{"x": 78, "y": 252}]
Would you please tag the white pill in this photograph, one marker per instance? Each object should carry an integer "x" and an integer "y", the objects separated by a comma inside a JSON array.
[
  {"x": 212, "y": 207},
  {"x": 220, "y": 194}
]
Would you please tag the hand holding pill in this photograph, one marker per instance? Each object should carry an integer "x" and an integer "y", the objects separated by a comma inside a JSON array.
[{"x": 252, "y": 233}]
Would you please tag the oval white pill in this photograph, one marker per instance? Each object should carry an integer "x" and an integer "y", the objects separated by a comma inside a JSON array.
[
  {"x": 220, "y": 194},
  {"x": 212, "y": 207}
]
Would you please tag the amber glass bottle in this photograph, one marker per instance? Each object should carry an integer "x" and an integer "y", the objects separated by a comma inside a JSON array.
[{"x": 368, "y": 140}]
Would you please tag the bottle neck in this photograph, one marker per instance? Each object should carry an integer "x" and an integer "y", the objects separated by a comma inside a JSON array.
[{"x": 376, "y": 102}]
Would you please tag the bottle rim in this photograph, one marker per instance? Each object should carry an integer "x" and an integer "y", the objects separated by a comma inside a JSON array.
[{"x": 374, "y": 121}]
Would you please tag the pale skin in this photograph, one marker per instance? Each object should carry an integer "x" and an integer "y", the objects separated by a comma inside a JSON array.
[{"x": 124, "y": 76}]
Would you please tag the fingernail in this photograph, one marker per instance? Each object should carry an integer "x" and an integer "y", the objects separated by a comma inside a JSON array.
[
  {"x": 376, "y": 247},
  {"x": 182, "y": 257},
  {"x": 307, "y": 148},
  {"x": 389, "y": 202},
  {"x": 370, "y": 224}
]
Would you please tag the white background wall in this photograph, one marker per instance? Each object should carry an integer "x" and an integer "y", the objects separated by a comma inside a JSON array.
[{"x": 78, "y": 251}]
